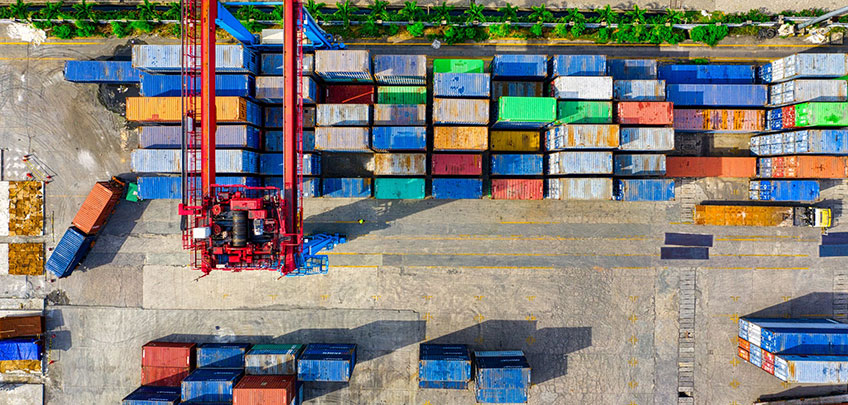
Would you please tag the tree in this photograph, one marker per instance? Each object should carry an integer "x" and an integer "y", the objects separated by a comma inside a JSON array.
[
  {"x": 536, "y": 30},
  {"x": 443, "y": 13},
  {"x": 508, "y": 12},
  {"x": 63, "y": 31},
  {"x": 20, "y": 10},
  {"x": 540, "y": 13},
  {"x": 278, "y": 12},
  {"x": 314, "y": 9},
  {"x": 369, "y": 27},
  {"x": 473, "y": 13},
  {"x": 561, "y": 30},
  {"x": 85, "y": 29},
  {"x": 174, "y": 12},
  {"x": 344, "y": 11},
  {"x": 452, "y": 35},
  {"x": 379, "y": 10},
  {"x": 606, "y": 15},
  {"x": 120, "y": 29},
  {"x": 708, "y": 34},
  {"x": 579, "y": 21},
  {"x": 416, "y": 30},
  {"x": 410, "y": 11},
  {"x": 82, "y": 10},
  {"x": 673, "y": 16},
  {"x": 500, "y": 30},
  {"x": 636, "y": 15}
]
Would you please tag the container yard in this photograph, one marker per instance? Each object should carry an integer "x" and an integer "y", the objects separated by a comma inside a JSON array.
[{"x": 539, "y": 224}]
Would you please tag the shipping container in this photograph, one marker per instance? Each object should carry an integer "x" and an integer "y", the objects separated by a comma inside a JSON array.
[
  {"x": 517, "y": 165},
  {"x": 168, "y": 58},
  {"x": 153, "y": 396},
  {"x": 632, "y": 69},
  {"x": 803, "y": 167},
  {"x": 343, "y": 115},
  {"x": 799, "y": 91},
  {"x": 97, "y": 207},
  {"x": 271, "y": 89},
  {"x": 644, "y": 189},
  {"x": 210, "y": 384},
  {"x": 163, "y": 376},
  {"x": 468, "y": 85},
  {"x": 678, "y": 166},
  {"x": 579, "y": 189},
  {"x": 274, "y": 141},
  {"x": 272, "y": 164},
  {"x": 221, "y": 355},
  {"x": 646, "y": 139},
  {"x": 578, "y": 65},
  {"x": 386, "y": 188},
  {"x": 807, "y": 65},
  {"x": 514, "y": 141},
  {"x": 164, "y": 187},
  {"x": 308, "y": 116},
  {"x": 20, "y": 326},
  {"x": 594, "y": 162},
  {"x": 517, "y": 89},
  {"x": 311, "y": 185},
  {"x": 157, "y": 85},
  {"x": 167, "y": 109},
  {"x": 265, "y": 390},
  {"x": 719, "y": 120},
  {"x": 402, "y": 95},
  {"x": 272, "y": 64},
  {"x": 525, "y": 112},
  {"x": 328, "y": 362},
  {"x": 170, "y": 161},
  {"x": 455, "y": 111},
  {"x": 639, "y": 90},
  {"x": 756, "y": 356},
  {"x": 346, "y": 187},
  {"x": 69, "y": 252},
  {"x": 584, "y": 112},
  {"x": 582, "y": 88},
  {"x": 581, "y": 137},
  {"x": 645, "y": 113},
  {"x": 20, "y": 349},
  {"x": 501, "y": 376},
  {"x": 456, "y": 164},
  {"x": 718, "y": 95},
  {"x": 784, "y": 190},
  {"x": 639, "y": 165},
  {"x": 342, "y": 139},
  {"x": 455, "y": 189},
  {"x": 444, "y": 366},
  {"x": 349, "y": 94},
  {"x": 399, "y": 138},
  {"x": 732, "y": 215},
  {"x": 346, "y": 164},
  {"x": 810, "y": 141},
  {"x": 273, "y": 359},
  {"x": 460, "y": 138},
  {"x": 707, "y": 74},
  {"x": 168, "y": 354},
  {"x": 517, "y": 189},
  {"x": 750, "y": 329},
  {"x": 520, "y": 66},
  {"x": 816, "y": 115},
  {"x": 343, "y": 66},
  {"x": 400, "y": 164},
  {"x": 400, "y": 114},
  {"x": 226, "y": 137},
  {"x": 400, "y": 69},
  {"x": 806, "y": 339},
  {"x": 101, "y": 71},
  {"x": 457, "y": 66},
  {"x": 811, "y": 369}
]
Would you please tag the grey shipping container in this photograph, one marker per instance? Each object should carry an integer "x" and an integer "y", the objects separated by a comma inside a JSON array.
[
  {"x": 639, "y": 90},
  {"x": 582, "y": 88},
  {"x": 574, "y": 188},
  {"x": 517, "y": 89},
  {"x": 168, "y": 58},
  {"x": 646, "y": 138},
  {"x": 400, "y": 114},
  {"x": 400, "y": 69},
  {"x": 458, "y": 111},
  {"x": 639, "y": 165},
  {"x": 461, "y": 84},
  {"x": 344, "y": 66},
  {"x": 342, "y": 139},
  {"x": 343, "y": 115},
  {"x": 170, "y": 161},
  {"x": 594, "y": 162},
  {"x": 799, "y": 91}
]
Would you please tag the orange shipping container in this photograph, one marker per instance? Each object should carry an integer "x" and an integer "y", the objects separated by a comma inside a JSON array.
[
  {"x": 264, "y": 390},
  {"x": 167, "y": 109},
  {"x": 98, "y": 206},
  {"x": 743, "y": 343},
  {"x": 733, "y": 215},
  {"x": 808, "y": 167},
  {"x": 19, "y": 326},
  {"x": 710, "y": 166},
  {"x": 460, "y": 138},
  {"x": 645, "y": 113},
  {"x": 164, "y": 376},
  {"x": 742, "y": 353}
]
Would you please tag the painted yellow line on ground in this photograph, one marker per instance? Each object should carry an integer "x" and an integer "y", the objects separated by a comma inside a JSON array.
[
  {"x": 631, "y": 268},
  {"x": 486, "y": 267},
  {"x": 492, "y": 254},
  {"x": 764, "y": 240},
  {"x": 757, "y": 268},
  {"x": 761, "y": 255},
  {"x": 502, "y": 237},
  {"x": 719, "y": 237},
  {"x": 681, "y": 223}
]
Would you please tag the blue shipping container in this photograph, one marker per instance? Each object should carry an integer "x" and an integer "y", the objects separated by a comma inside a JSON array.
[
  {"x": 632, "y": 69},
  {"x": 774, "y": 119},
  {"x": 274, "y": 141},
  {"x": 270, "y": 89},
  {"x": 101, "y": 71},
  {"x": 520, "y": 66},
  {"x": 272, "y": 64},
  {"x": 502, "y": 376},
  {"x": 399, "y": 138},
  {"x": 639, "y": 165},
  {"x": 147, "y": 395},
  {"x": 461, "y": 85},
  {"x": 226, "y": 137},
  {"x": 444, "y": 366},
  {"x": 811, "y": 369},
  {"x": 163, "y": 187},
  {"x": 578, "y": 65},
  {"x": 644, "y": 189},
  {"x": 517, "y": 165},
  {"x": 326, "y": 362},
  {"x": 170, "y": 161},
  {"x": 168, "y": 58},
  {"x": 400, "y": 69},
  {"x": 455, "y": 189},
  {"x": 311, "y": 185},
  {"x": 170, "y": 85},
  {"x": 784, "y": 190},
  {"x": 501, "y": 396},
  {"x": 346, "y": 187},
  {"x": 20, "y": 349},
  {"x": 707, "y": 74},
  {"x": 221, "y": 355},
  {"x": 210, "y": 384},
  {"x": 801, "y": 339},
  {"x": 638, "y": 90},
  {"x": 824, "y": 141},
  {"x": 271, "y": 164},
  {"x": 69, "y": 252},
  {"x": 717, "y": 95}
]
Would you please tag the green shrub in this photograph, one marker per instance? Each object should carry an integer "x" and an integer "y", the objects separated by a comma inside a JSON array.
[
  {"x": 561, "y": 30},
  {"x": 176, "y": 30},
  {"x": 141, "y": 26},
  {"x": 603, "y": 35},
  {"x": 120, "y": 29},
  {"x": 63, "y": 31},
  {"x": 708, "y": 34},
  {"x": 416, "y": 30},
  {"x": 85, "y": 29},
  {"x": 536, "y": 30},
  {"x": 500, "y": 30}
]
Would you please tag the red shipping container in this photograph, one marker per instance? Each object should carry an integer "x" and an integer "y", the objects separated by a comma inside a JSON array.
[
  {"x": 788, "y": 117},
  {"x": 742, "y": 353},
  {"x": 458, "y": 164},
  {"x": 811, "y": 167},
  {"x": 264, "y": 390},
  {"x": 168, "y": 354},
  {"x": 163, "y": 376},
  {"x": 743, "y": 344},
  {"x": 767, "y": 357},
  {"x": 349, "y": 94},
  {"x": 517, "y": 189},
  {"x": 18, "y": 326},
  {"x": 768, "y": 367},
  {"x": 97, "y": 207},
  {"x": 645, "y": 112},
  {"x": 710, "y": 166}
]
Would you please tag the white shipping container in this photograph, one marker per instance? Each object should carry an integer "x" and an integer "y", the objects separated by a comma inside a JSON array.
[
  {"x": 582, "y": 88},
  {"x": 595, "y": 162},
  {"x": 170, "y": 161},
  {"x": 344, "y": 66},
  {"x": 646, "y": 139},
  {"x": 582, "y": 136},
  {"x": 400, "y": 164},
  {"x": 342, "y": 139},
  {"x": 460, "y": 111},
  {"x": 167, "y": 58},
  {"x": 803, "y": 90},
  {"x": 580, "y": 189},
  {"x": 343, "y": 115}
]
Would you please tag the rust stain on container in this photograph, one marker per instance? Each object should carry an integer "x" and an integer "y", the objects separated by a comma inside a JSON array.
[
  {"x": 645, "y": 113},
  {"x": 97, "y": 207},
  {"x": 167, "y": 109},
  {"x": 514, "y": 141},
  {"x": 460, "y": 138},
  {"x": 742, "y": 215},
  {"x": 400, "y": 164}
]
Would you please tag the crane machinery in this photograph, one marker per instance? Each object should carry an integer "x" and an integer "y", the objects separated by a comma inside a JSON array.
[{"x": 237, "y": 227}]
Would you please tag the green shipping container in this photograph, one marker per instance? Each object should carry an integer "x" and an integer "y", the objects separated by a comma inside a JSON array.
[
  {"x": 821, "y": 115},
  {"x": 584, "y": 112},
  {"x": 457, "y": 66},
  {"x": 402, "y": 95},
  {"x": 395, "y": 188},
  {"x": 527, "y": 109}
]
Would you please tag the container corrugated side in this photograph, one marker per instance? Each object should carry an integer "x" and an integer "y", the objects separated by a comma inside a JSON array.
[
  {"x": 348, "y": 187},
  {"x": 271, "y": 164},
  {"x": 210, "y": 385},
  {"x": 645, "y": 113},
  {"x": 168, "y": 58},
  {"x": 342, "y": 139},
  {"x": 719, "y": 120},
  {"x": 400, "y": 69},
  {"x": 221, "y": 355},
  {"x": 157, "y": 85},
  {"x": 152, "y": 396},
  {"x": 573, "y": 188},
  {"x": 170, "y": 161},
  {"x": 311, "y": 185},
  {"x": 810, "y": 141},
  {"x": 164, "y": 187},
  {"x": 456, "y": 111},
  {"x": 458, "y": 65},
  {"x": 501, "y": 395},
  {"x": 402, "y": 94},
  {"x": 784, "y": 190},
  {"x": 349, "y": 94},
  {"x": 806, "y": 65},
  {"x": 163, "y": 376},
  {"x": 168, "y": 354},
  {"x": 400, "y": 164},
  {"x": 639, "y": 90},
  {"x": 460, "y": 138},
  {"x": 344, "y": 66},
  {"x": 265, "y": 390},
  {"x": 444, "y": 362},
  {"x": 101, "y": 71},
  {"x": 584, "y": 112},
  {"x": 517, "y": 89},
  {"x": 272, "y": 64},
  {"x": 525, "y": 112},
  {"x": 68, "y": 252},
  {"x": 581, "y": 137},
  {"x": 399, "y": 188},
  {"x": 469, "y": 85},
  {"x": 270, "y": 89},
  {"x": 718, "y": 95},
  {"x": 824, "y": 114},
  {"x": 517, "y": 165},
  {"x": 226, "y": 137},
  {"x": 578, "y": 65},
  {"x": 456, "y": 164},
  {"x": 644, "y": 189},
  {"x": 594, "y": 162},
  {"x": 677, "y": 166},
  {"x": 455, "y": 189},
  {"x": 347, "y": 115},
  {"x": 799, "y": 91},
  {"x": 520, "y": 66},
  {"x": 273, "y": 359},
  {"x": 399, "y": 138},
  {"x": 274, "y": 141},
  {"x": 707, "y": 74},
  {"x": 327, "y": 362},
  {"x": 803, "y": 166},
  {"x": 639, "y": 165},
  {"x": 582, "y": 88},
  {"x": 646, "y": 139},
  {"x": 632, "y": 69},
  {"x": 400, "y": 114},
  {"x": 514, "y": 141},
  {"x": 97, "y": 207},
  {"x": 812, "y": 369},
  {"x": 517, "y": 189},
  {"x": 167, "y": 109}
]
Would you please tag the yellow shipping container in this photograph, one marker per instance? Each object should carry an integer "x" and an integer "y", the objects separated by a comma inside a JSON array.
[
  {"x": 514, "y": 141},
  {"x": 27, "y": 366},
  {"x": 167, "y": 109},
  {"x": 460, "y": 138},
  {"x": 734, "y": 215}
]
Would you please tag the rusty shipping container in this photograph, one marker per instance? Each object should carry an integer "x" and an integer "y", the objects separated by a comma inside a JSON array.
[
  {"x": 400, "y": 164},
  {"x": 460, "y": 138},
  {"x": 677, "y": 166},
  {"x": 457, "y": 165},
  {"x": 400, "y": 114},
  {"x": 460, "y": 111},
  {"x": 514, "y": 141},
  {"x": 719, "y": 120},
  {"x": 517, "y": 189},
  {"x": 167, "y": 109},
  {"x": 803, "y": 167},
  {"x": 732, "y": 215},
  {"x": 265, "y": 390},
  {"x": 645, "y": 113},
  {"x": 343, "y": 139},
  {"x": 582, "y": 137},
  {"x": 97, "y": 207},
  {"x": 168, "y": 354},
  {"x": 20, "y": 326},
  {"x": 343, "y": 115},
  {"x": 573, "y": 188}
]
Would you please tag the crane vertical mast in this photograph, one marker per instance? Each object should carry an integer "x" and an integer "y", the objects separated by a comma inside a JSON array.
[
  {"x": 208, "y": 119},
  {"x": 292, "y": 129}
]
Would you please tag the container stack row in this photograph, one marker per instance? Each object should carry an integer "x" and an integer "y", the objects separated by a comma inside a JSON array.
[{"x": 21, "y": 344}]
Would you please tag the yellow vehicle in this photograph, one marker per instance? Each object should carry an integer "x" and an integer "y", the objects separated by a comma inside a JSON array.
[{"x": 756, "y": 215}]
